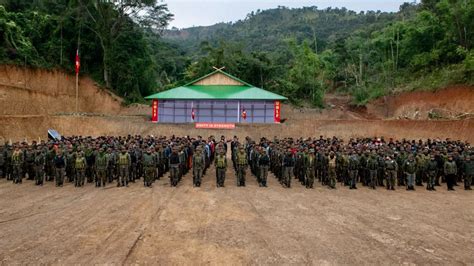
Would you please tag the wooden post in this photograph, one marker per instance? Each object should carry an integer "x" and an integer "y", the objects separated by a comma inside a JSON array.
[{"x": 77, "y": 91}]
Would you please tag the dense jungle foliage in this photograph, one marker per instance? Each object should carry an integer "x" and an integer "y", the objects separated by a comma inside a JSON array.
[{"x": 300, "y": 53}]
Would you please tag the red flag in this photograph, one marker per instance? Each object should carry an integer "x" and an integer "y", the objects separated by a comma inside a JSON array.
[
  {"x": 244, "y": 114},
  {"x": 193, "y": 114},
  {"x": 78, "y": 62}
]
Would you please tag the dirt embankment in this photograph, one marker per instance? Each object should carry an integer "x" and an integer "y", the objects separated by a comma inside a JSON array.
[
  {"x": 42, "y": 92},
  {"x": 449, "y": 103},
  {"x": 33, "y": 101}
]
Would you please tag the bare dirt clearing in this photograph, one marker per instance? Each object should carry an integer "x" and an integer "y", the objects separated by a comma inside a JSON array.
[{"x": 232, "y": 225}]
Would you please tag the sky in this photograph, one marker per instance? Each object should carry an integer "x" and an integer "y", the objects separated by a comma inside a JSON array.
[{"x": 188, "y": 13}]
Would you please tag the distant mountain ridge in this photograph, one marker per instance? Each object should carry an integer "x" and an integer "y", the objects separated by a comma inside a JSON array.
[{"x": 266, "y": 30}]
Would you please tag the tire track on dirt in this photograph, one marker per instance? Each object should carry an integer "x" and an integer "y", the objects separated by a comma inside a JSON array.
[{"x": 156, "y": 215}]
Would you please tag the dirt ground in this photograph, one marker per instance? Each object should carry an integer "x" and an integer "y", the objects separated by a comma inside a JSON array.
[{"x": 232, "y": 225}]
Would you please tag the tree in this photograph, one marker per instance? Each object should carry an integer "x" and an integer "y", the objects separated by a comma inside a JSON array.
[{"x": 108, "y": 19}]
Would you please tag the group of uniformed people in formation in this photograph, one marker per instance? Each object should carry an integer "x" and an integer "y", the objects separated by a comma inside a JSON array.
[{"x": 372, "y": 162}]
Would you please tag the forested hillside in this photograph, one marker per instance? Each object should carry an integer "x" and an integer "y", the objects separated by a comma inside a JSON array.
[{"x": 300, "y": 53}]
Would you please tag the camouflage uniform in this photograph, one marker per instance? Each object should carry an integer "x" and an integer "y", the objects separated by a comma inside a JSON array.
[
  {"x": 263, "y": 165},
  {"x": 124, "y": 163},
  {"x": 60, "y": 169},
  {"x": 39, "y": 168},
  {"x": 79, "y": 168},
  {"x": 241, "y": 158},
  {"x": 221, "y": 167},
  {"x": 198, "y": 167},
  {"x": 17, "y": 163},
  {"x": 101, "y": 169},
  {"x": 149, "y": 168}
]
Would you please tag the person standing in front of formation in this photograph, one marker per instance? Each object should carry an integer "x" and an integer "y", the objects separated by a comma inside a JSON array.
[
  {"x": 468, "y": 171},
  {"x": 353, "y": 169},
  {"x": 198, "y": 166},
  {"x": 242, "y": 163},
  {"x": 101, "y": 168},
  {"x": 410, "y": 171},
  {"x": 332, "y": 171},
  {"x": 288, "y": 166},
  {"x": 60, "y": 168},
  {"x": 391, "y": 169},
  {"x": 80, "y": 168},
  {"x": 263, "y": 165},
  {"x": 310, "y": 167},
  {"x": 124, "y": 166},
  {"x": 372, "y": 166},
  {"x": 431, "y": 171},
  {"x": 450, "y": 171},
  {"x": 174, "y": 167},
  {"x": 17, "y": 162},
  {"x": 221, "y": 167},
  {"x": 39, "y": 167},
  {"x": 149, "y": 167}
]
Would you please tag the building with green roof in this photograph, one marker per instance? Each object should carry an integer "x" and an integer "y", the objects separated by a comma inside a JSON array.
[{"x": 216, "y": 98}]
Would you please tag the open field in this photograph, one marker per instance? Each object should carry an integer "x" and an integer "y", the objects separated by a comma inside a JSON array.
[{"x": 233, "y": 225}]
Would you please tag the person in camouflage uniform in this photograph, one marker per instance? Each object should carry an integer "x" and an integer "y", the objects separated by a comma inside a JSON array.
[
  {"x": 174, "y": 167},
  {"x": 39, "y": 167},
  {"x": 468, "y": 171},
  {"x": 431, "y": 171},
  {"x": 450, "y": 171},
  {"x": 391, "y": 169},
  {"x": 111, "y": 163},
  {"x": 90, "y": 161},
  {"x": 380, "y": 168},
  {"x": 263, "y": 165},
  {"x": 132, "y": 172},
  {"x": 363, "y": 168},
  {"x": 101, "y": 168},
  {"x": 288, "y": 165},
  {"x": 59, "y": 168},
  {"x": 8, "y": 162},
  {"x": 410, "y": 168},
  {"x": 372, "y": 166},
  {"x": 79, "y": 168},
  {"x": 353, "y": 169},
  {"x": 17, "y": 163},
  {"x": 242, "y": 163},
  {"x": 310, "y": 165},
  {"x": 331, "y": 165},
  {"x": 400, "y": 159},
  {"x": 49, "y": 166},
  {"x": 198, "y": 167},
  {"x": 70, "y": 159},
  {"x": 149, "y": 167},
  {"x": 29, "y": 163},
  {"x": 124, "y": 163},
  {"x": 220, "y": 163}
]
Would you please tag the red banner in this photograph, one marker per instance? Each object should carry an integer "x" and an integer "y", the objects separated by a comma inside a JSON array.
[
  {"x": 78, "y": 62},
  {"x": 154, "y": 111},
  {"x": 215, "y": 125},
  {"x": 277, "y": 112}
]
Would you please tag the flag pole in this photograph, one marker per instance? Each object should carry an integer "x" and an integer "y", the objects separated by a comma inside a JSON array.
[{"x": 77, "y": 89}]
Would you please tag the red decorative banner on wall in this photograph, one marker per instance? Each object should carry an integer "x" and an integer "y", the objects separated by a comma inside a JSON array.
[
  {"x": 277, "y": 112},
  {"x": 215, "y": 125},
  {"x": 154, "y": 111}
]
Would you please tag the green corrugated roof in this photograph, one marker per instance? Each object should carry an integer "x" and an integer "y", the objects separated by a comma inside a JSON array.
[{"x": 217, "y": 92}]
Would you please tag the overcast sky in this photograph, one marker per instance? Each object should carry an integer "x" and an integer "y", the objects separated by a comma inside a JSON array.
[{"x": 189, "y": 13}]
